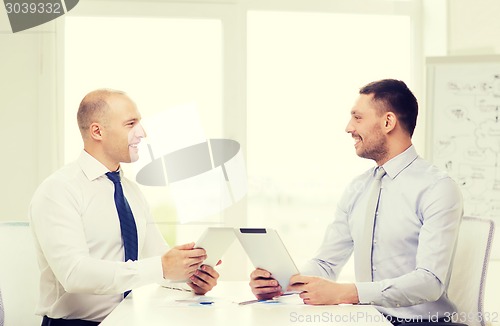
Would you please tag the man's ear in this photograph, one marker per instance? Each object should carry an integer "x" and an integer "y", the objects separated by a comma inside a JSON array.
[
  {"x": 95, "y": 131},
  {"x": 390, "y": 121}
]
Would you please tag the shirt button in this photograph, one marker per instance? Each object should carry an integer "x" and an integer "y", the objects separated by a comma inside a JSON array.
[
  {"x": 374, "y": 241},
  {"x": 374, "y": 268}
]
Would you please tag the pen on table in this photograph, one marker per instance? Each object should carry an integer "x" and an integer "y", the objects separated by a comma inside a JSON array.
[
  {"x": 196, "y": 301},
  {"x": 268, "y": 300},
  {"x": 177, "y": 289},
  {"x": 273, "y": 300},
  {"x": 249, "y": 302}
]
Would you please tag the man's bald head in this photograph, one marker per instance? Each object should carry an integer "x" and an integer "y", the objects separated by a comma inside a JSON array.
[{"x": 93, "y": 108}]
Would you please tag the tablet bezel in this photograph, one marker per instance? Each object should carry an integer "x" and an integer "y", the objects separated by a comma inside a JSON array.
[{"x": 266, "y": 250}]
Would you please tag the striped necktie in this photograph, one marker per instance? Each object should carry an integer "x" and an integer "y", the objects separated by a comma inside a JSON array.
[{"x": 363, "y": 254}]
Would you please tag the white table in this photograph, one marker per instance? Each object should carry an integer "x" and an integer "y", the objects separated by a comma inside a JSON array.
[{"x": 156, "y": 305}]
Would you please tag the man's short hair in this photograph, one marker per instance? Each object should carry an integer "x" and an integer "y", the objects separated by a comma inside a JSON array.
[
  {"x": 93, "y": 107},
  {"x": 394, "y": 96}
]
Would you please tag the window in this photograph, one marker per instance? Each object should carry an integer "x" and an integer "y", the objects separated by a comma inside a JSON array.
[
  {"x": 161, "y": 63},
  {"x": 304, "y": 71}
]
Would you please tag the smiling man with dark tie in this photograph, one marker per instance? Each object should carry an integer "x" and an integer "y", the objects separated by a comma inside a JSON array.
[{"x": 96, "y": 239}]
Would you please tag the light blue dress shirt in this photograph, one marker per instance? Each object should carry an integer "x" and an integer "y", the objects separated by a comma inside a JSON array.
[{"x": 415, "y": 233}]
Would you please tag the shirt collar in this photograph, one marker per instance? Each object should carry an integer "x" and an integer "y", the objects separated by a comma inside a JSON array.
[
  {"x": 91, "y": 167},
  {"x": 397, "y": 164}
]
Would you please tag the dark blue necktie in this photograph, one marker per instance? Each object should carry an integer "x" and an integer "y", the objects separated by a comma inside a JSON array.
[{"x": 127, "y": 222}]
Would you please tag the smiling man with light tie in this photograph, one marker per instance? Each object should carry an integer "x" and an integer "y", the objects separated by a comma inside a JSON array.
[
  {"x": 400, "y": 219},
  {"x": 95, "y": 237}
]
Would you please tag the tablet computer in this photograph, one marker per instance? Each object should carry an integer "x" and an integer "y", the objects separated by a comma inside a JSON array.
[
  {"x": 215, "y": 241},
  {"x": 266, "y": 250}
]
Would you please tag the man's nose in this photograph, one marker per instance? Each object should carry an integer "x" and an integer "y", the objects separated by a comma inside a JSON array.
[
  {"x": 349, "y": 128},
  {"x": 140, "y": 132}
]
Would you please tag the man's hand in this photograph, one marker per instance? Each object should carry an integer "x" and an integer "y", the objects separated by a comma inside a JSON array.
[
  {"x": 181, "y": 262},
  {"x": 204, "y": 279},
  {"x": 263, "y": 285},
  {"x": 319, "y": 291}
]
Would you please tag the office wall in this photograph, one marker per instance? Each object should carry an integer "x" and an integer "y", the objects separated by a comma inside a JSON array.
[
  {"x": 28, "y": 102},
  {"x": 27, "y": 111},
  {"x": 474, "y": 27}
]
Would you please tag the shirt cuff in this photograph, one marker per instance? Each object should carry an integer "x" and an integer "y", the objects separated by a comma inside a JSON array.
[
  {"x": 151, "y": 269},
  {"x": 369, "y": 293},
  {"x": 311, "y": 268}
]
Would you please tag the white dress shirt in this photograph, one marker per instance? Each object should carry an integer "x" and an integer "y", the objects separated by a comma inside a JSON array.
[
  {"x": 79, "y": 245},
  {"x": 415, "y": 233}
]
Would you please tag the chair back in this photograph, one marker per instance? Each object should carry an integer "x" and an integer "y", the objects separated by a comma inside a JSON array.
[
  {"x": 19, "y": 274},
  {"x": 468, "y": 277},
  {"x": 1, "y": 308}
]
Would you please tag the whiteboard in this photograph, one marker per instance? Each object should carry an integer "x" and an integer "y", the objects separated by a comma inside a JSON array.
[{"x": 463, "y": 138}]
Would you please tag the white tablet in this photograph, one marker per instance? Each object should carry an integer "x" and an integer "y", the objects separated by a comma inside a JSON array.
[
  {"x": 215, "y": 241},
  {"x": 266, "y": 250}
]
